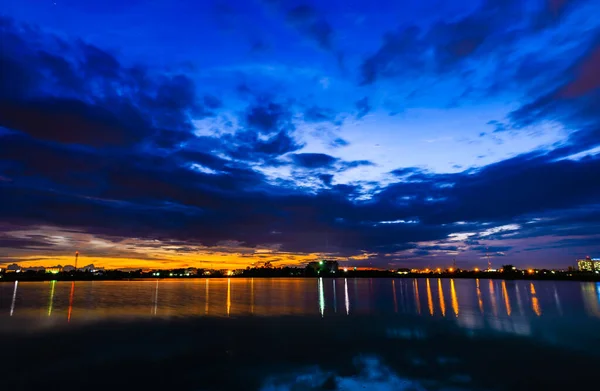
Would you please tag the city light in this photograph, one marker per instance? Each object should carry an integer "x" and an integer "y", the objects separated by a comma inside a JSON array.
[
  {"x": 476, "y": 269},
  {"x": 530, "y": 271},
  {"x": 451, "y": 270}
]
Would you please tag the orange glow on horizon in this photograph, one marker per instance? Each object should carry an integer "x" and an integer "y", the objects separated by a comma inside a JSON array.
[{"x": 208, "y": 260}]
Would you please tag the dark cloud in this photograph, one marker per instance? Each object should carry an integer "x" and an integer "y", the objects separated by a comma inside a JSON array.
[
  {"x": 319, "y": 114},
  {"x": 339, "y": 142},
  {"x": 73, "y": 92},
  {"x": 575, "y": 104},
  {"x": 407, "y": 171},
  {"x": 306, "y": 19},
  {"x": 587, "y": 78},
  {"x": 492, "y": 34},
  {"x": 24, "y": 243},
  {"x": 74, "y": 121},
  {"x": 400, "y": 52},
  {"x": 313, "y": 160},
  {"x": 266, "y": 118},
  {"x": 357, "y": 163}
]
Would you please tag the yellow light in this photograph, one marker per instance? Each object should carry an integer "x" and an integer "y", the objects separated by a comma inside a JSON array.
[
  {"x": 438, "y": 270},
  {"x": 451, "y": 270},
  {"x": 476, "y": 269},
  {"x": 530, "y": 271},
  {"x": 426, "y": 270}
]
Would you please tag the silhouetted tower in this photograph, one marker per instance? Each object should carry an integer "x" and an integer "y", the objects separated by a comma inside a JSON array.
[
  {"x": 76, "y": 258},
  {"x": 488, "y": 257}
]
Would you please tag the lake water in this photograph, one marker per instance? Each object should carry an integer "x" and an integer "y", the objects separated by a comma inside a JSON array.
[{"x": 300, "y": 334}]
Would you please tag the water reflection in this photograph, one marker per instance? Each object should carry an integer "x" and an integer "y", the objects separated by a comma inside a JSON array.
[
  {"x": 519, "y": 302},
  {"x": 14, "y": 299},
  {"x": 472, "y": 307},
  {"x": 429, "y": 298},
  {"x": 417, "y": 300},
  {"x": 506, "y": 299},
  {"x": 251, "y": 295},
  {"x": 155, "y": 308},
  {"x": 71, "y": 296},
  {"x": 590, "y": 293},
  {"x": 557, "y": 301},
  {"x": 346, "y": 298},
  {"x": 228, "y": 296},
  {"x": 441, "y": 297},
  {"x": 493, "y": 298},
  {"x": 321, "y": 297},
  {"x": 454, "y": 298},
  {"x": 334, "y": 297},
  {"x": 206, "y": 297},
  {"x": 535, "y": 303},
  {"x": 51, "y": 301},
  {"x": 479, "y": 299},
  {"x": 394, "y": 294}
]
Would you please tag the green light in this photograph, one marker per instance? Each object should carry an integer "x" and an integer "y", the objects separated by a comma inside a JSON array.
[
  {"x": 321, "y": 262},
  {"x": 51, "y": 297}
]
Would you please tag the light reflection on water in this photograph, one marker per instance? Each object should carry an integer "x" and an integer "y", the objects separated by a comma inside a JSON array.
[{"x": 470, "y": 305}]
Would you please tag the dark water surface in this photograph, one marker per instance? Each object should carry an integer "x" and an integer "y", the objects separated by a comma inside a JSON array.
[{"x": 300, "y": 334}]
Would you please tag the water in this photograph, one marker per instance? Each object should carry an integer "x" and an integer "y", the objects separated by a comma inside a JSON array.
[{"x": 300, "y": 334}]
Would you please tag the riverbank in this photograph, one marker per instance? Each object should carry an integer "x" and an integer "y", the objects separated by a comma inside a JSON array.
[{"x": 137, "y": 275}]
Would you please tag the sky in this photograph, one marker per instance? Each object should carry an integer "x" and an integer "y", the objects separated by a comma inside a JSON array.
[{"x": 225, "y": 134}]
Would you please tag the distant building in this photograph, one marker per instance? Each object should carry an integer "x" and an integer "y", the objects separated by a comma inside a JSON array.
[
  {"x": 35, "y": 269},
  {"x": 90, "y": 268},
  {"x": 588, "y": 264},
  {"x": 13, "y": 268},
  {"x": 191, "y": 271},
  {"x": 324, "y": 266},
  {"x": 54, "y": 269}
]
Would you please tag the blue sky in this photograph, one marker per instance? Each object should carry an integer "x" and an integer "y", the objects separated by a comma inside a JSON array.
[{"x": 380, "y": 132}]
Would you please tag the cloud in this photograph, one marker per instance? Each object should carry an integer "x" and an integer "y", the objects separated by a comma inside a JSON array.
[
  {"x": 89, "y": 143},
  {"x": 587, "y": 77},
  {"x": 319, "y": 114},
  {"x": 363, "y": 107},
  {"x": 313, "y": 160},
  {"x": 401, "y": 52},
  {"x": 267, "y": 117},
  {"x": 74, "y": 92},
  {"x": 306, "y": 19},
  {"x": 493, "y": 38}
]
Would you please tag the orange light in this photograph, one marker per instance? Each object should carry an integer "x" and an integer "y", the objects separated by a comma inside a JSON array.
[
  {"x": 438, "y": 270},
  {"x": 476, "y": 269},
  {"x": 530, "y": 271},
  {"x": 451, "y": 270},
  {"x": 426, "y": 270}
]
